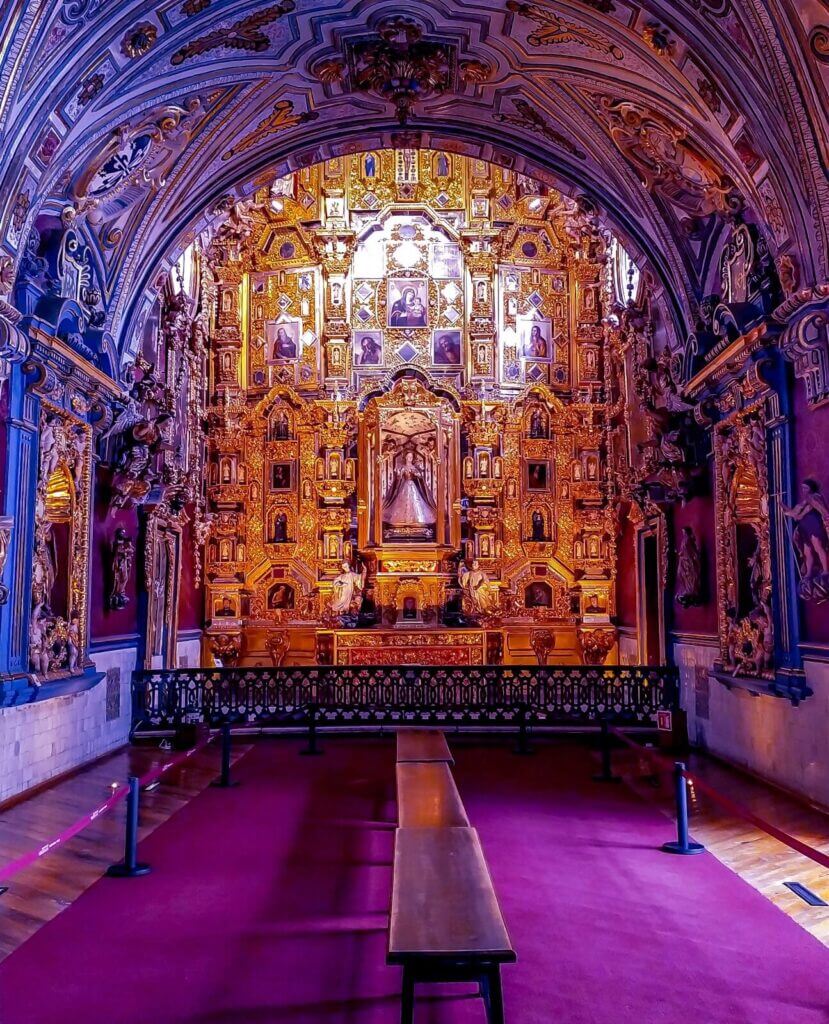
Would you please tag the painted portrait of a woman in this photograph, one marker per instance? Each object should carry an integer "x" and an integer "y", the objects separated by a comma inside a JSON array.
[{"x": 409, "y": 310}]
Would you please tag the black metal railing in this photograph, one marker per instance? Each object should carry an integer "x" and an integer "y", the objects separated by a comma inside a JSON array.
[{"x": 389, "y": 695}]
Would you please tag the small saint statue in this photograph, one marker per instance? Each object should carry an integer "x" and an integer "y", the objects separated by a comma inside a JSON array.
[
  {"x": 810, "y": 539},
  {"x": 538, "y": 532},
  {"x": 122, "y": 555},
  {"x": 688, "y": 570},
  {"x": 346, "y": 588},
  {"x": 481, "y": 597}
]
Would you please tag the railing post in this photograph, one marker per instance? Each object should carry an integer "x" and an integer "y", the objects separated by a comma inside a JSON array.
[
  {"x": 312, "y": 750},
  {"x": 523, "y": 747},
  {"x": 224, "y": 781},
  {"x": 129, "y": 867},
  {"x": 683, "y": 844},
  {"x": 606, "y": 774}
]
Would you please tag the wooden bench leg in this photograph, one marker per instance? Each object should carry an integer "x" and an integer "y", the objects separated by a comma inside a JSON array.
[
  {"x": 494, "y": 999},
  {"x": 407, "y": 1000}
]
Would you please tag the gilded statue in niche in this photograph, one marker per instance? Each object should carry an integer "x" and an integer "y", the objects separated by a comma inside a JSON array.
[
  {"x": 809, "y": 531},
  {"x": 480, "y": 596}
]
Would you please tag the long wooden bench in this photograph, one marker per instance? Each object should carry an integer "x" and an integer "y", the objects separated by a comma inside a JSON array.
[
  {"x": 422, "y": 745},
  {"x": 446, "y": 924},
  {"x": 427, "y": 797}
]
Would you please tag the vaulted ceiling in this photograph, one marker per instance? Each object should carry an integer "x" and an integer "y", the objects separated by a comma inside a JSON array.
[{"x": 138, "y": 124}]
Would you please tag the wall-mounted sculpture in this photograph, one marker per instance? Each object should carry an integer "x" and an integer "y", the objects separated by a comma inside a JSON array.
[
  {"x": 809, "y": 525},
  {"x": 688, "y": 590},
  {"x": 122, "y": 554}
]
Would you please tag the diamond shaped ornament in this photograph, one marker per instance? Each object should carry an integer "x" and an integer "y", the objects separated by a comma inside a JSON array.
[
  {"x": 363, "y": 314},
  {"x": 535, "y": 299},
  {"x": 364, "y": 292},
  {"x": 451, "y": 292},
  {"x": 452, "y": 315},
  {"x": 284, "y": 301},
  {"x": 407, "y": 352}
]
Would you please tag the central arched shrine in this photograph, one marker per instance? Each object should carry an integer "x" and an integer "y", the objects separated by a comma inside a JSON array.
[{"x": 406, "y": 440}]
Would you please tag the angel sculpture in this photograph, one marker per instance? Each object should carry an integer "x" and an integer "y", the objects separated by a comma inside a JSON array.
[
  {"x": 346, "y": 587},
  {"x": 480, "y": 596}
]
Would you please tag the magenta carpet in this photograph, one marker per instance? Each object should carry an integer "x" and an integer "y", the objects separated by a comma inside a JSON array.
[{"x": 267, "y": 903}]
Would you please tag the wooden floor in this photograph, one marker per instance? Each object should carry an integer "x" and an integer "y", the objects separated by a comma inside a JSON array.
[
  {"x": 39, "y": 893},
  {"x": 762, "y": 861}
]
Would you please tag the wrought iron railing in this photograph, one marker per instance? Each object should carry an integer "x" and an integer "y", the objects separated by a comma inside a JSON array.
[{"x": 389, "y": 695}]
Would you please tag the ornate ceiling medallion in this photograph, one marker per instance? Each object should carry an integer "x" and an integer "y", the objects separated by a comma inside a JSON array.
[{"x": 400, "y": 65}]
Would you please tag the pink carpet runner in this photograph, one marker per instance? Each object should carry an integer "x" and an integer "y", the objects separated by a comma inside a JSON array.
[{"x": 268, "y": 903}]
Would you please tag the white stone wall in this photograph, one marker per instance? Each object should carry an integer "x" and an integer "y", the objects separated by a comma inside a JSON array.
[
  {"x": 766, "y": 735},
  {"x": 50, "y": 737},
  {"x": 188, "y": 652}
]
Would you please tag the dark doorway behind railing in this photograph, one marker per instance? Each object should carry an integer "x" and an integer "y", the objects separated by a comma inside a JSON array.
[{"x": 402, "y": 695}]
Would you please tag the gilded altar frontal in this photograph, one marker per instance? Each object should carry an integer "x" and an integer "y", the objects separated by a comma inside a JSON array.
[{"x": 407, "y": 441}]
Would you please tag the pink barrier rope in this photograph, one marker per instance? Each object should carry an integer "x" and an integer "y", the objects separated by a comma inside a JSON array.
[
  {"x": 34, "y": 855},
  {"x": 12, "y": 868},
  {"x": 732, "y": 806}
]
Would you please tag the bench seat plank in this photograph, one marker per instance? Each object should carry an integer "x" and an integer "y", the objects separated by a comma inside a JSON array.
[
  {"x": 443, "y": 903},
  {"x": 422, "y": 745},
  {"x": 427, "y": 796}
]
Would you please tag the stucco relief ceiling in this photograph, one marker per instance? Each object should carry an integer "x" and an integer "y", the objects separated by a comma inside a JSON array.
[{"x": 665, "y": 118}]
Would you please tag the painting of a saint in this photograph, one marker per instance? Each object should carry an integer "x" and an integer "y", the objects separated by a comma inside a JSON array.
[
  {"x": 281, "y": 476},
  {"x": 369, "y": 165},
  {"x": 538, "y": 595},
  {"x": 282, "y": 596},
  {"x": 445, "y": 260},
  {"x": 368, "y": 348},
  {"x": 446, "y": 348},
  {"x": 408, "y": 303},
  {"x": 282, "y": 341},
  {"x": 442, "y": 166},
  {"x": 537, "y": 476},
  {"x": 535, "y": 340}
]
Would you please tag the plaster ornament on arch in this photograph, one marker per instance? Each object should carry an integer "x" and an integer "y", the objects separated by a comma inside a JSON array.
[
  {"x": 669, "y": 162},
  {"x": 137, "y": 155},
  {"x": 281, "y": 119},
  {"x": 553, "y": 29}
]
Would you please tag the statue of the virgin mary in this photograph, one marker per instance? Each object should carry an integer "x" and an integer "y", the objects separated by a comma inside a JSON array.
[{"x": 408, "y": 506}]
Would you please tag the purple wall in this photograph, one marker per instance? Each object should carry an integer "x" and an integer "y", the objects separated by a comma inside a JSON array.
[{"x": 191, "y": 597}]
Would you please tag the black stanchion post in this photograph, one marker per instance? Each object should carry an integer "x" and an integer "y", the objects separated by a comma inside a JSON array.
[
  {"x": 312, "y": 750},
  {"x": 224, "y": 781},
  {"x": 523, "y": 747},
  {"x": 606, "y": 774},
  {"x": 129, "y": 867},
  {"x": 683, "y": 844}
]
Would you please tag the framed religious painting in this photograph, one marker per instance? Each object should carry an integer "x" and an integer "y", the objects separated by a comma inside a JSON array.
[
  {"x": 538, "y": 475},
  {"x": 367, "y": 348},
  {"x": 535, "y": 339},
  {"x": 446, "y": 348},
  {"x": 445, "y": 260},
  {"x": 282, "y": 341},
  {"x": 282, "y": 476},
  {"x": 408, "y": 302}
]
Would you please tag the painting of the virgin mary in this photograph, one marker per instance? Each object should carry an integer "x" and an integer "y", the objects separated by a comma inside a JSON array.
[{"x": 409, "y": 304}]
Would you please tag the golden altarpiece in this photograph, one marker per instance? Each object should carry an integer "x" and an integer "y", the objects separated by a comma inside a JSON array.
[{"x": 406, "y": 431}]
